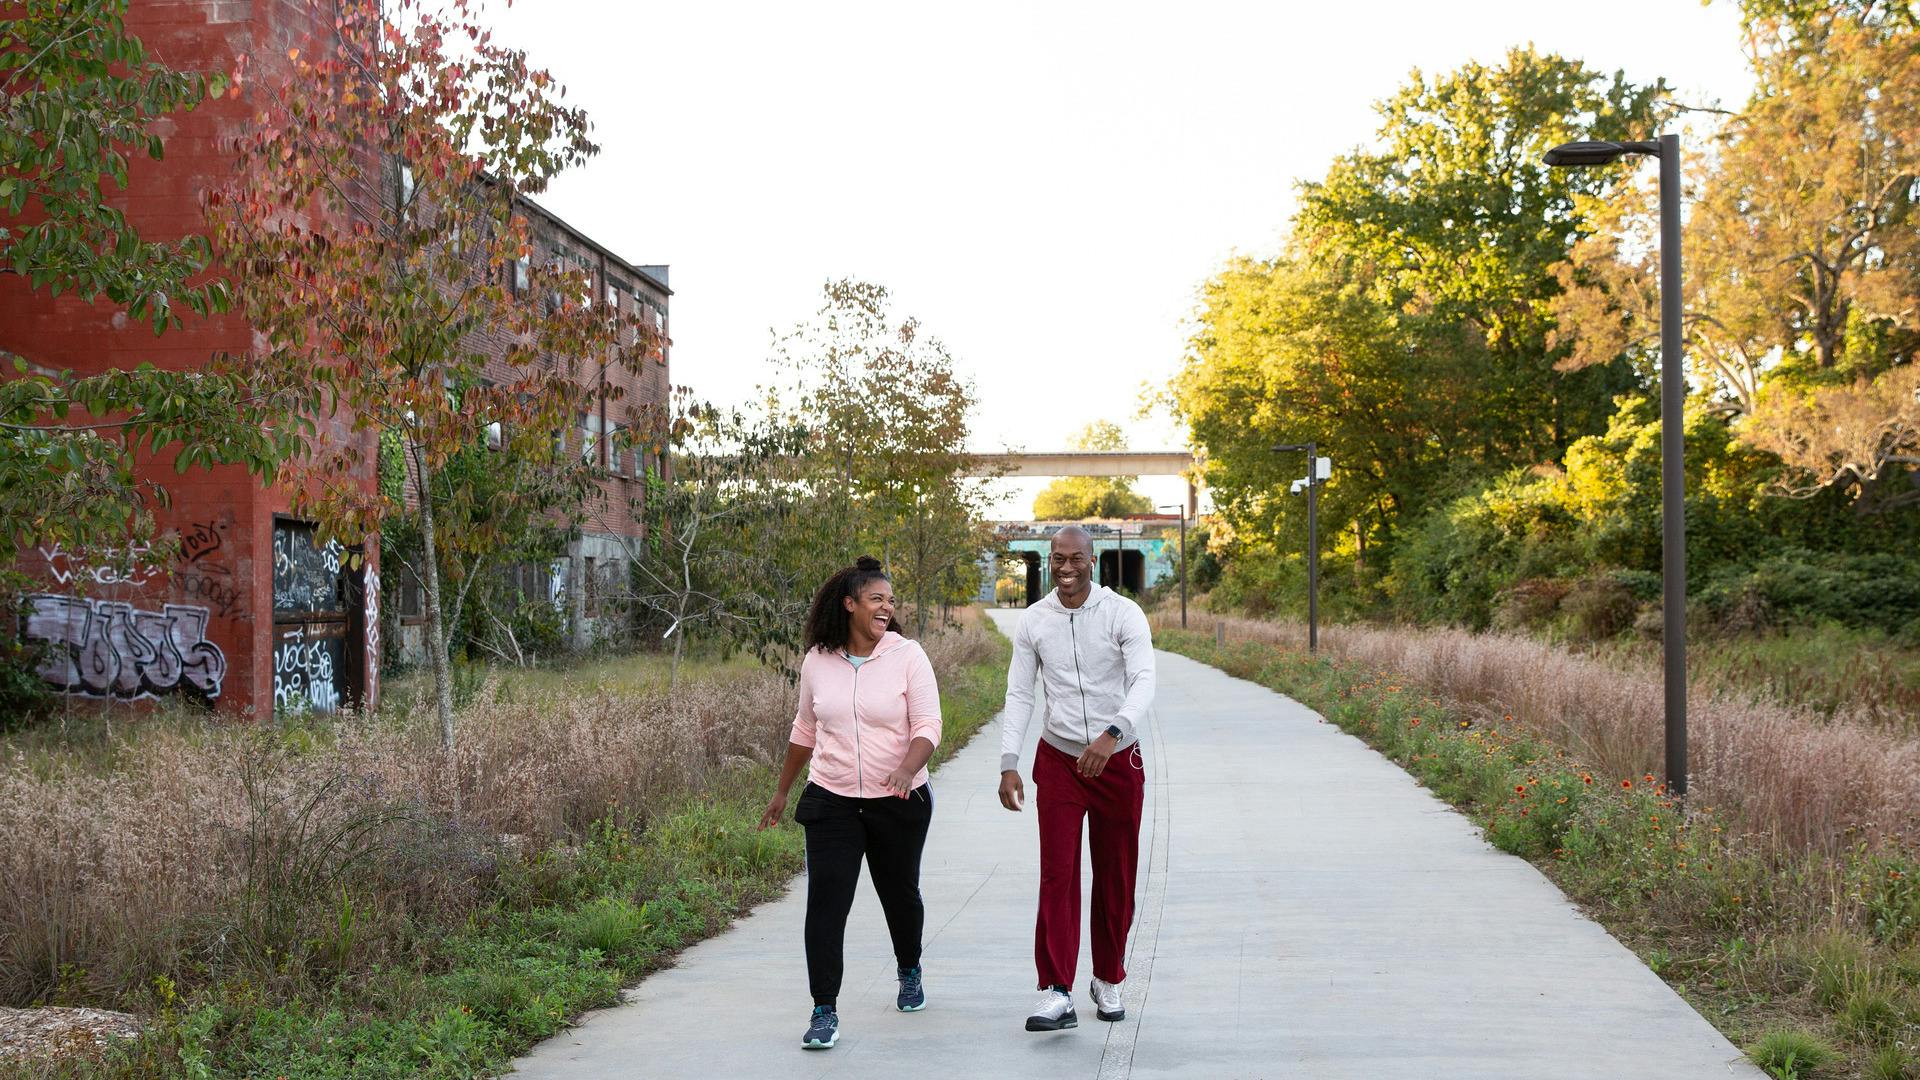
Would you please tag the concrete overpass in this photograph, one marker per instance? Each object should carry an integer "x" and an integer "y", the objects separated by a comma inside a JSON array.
[{"x": 1095, "y": 463}]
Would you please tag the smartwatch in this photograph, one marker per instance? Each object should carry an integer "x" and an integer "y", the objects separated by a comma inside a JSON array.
[{"x": 1114, "y": 730}]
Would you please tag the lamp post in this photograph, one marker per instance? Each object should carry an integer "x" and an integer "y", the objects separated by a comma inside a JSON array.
[
  {"x": 1182, "y": 507},
  {"x": 1673, "y": 394},
  {"x": 1313, "y": 539}
]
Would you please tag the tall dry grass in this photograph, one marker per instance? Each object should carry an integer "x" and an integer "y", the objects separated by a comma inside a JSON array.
[
  {"x": 1787, "y": 772},
  {"x": 195, "y": 849}
]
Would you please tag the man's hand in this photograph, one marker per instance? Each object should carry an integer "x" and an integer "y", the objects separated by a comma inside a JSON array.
[
  {"x": 1012, "y": 793},
  {"x": 774, "y": 809},
  {"x": 1093, "y": 761},
  {"x": 900, "y": 781}
]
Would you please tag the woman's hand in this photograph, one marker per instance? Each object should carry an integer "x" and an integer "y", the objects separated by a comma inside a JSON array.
[
  {"x": 774, "y": 809},
  {"x": 900, "y": 780}
]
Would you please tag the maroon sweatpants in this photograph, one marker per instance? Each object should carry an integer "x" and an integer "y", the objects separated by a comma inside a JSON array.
[{"x": 1110, "y": 803}]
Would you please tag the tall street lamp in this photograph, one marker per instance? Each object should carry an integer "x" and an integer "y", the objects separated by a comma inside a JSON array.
[
  {"x": 1313, "y": 538},
  {"x": 1673, "y": 394},
  {"x": 1182, "y": 507}
]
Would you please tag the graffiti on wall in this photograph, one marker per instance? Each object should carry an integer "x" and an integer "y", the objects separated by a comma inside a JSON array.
[
  {"x": 306, "y": 574},
  {"x": 372, "y": 620},
  {"x": 307, "y": 660},
  {"x": 109, "y": 649},
  {"x": 129, "y": 567}
]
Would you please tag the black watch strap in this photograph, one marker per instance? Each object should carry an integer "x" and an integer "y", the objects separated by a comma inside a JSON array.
[{"x": 1114, "y": 730}]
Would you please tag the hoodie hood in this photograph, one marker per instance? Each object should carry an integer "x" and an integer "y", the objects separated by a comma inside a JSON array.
[
  {"x": 1095, "y": 596},
  {"x": 888, "y": 642}
]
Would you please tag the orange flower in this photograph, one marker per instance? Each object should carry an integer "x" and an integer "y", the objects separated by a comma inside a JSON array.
[
  {"x": 1626, "y": 785},
  {"x": 1520, "y": 789},
  {"x": 1649, "y": 778},
  {"x": 1586, "y": 778},
  {"x": 1415, "y": 722}
]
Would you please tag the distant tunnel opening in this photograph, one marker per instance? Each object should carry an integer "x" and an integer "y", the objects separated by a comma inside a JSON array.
[{"x": 1125, "y": 570}]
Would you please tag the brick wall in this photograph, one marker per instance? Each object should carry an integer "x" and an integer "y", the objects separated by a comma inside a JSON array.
[{"x": 201, "y": 624}]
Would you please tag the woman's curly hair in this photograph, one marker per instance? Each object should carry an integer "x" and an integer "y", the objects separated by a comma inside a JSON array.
[{"x": 828, "y": 621}]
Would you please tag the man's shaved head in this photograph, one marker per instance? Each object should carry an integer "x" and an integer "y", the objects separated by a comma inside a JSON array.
[{"x": 1075, "y": 535}]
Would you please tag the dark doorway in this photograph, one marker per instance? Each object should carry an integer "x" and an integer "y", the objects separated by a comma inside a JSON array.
[
  {"x": 318, "y": 622},
  {"x": 1032, "y": 559},
  {"x": 1125, "y": 570}
]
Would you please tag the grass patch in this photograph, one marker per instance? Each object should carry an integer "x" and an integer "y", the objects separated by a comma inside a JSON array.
[
  {"x": 1832, "y": 670},
  {"x": 1810, "y": 957}
]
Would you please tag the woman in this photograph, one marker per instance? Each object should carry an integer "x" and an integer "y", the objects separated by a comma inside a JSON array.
[{"x": 868, "y": 720}]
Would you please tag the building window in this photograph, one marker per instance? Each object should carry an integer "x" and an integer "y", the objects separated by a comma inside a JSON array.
[{"x": 591, "y": 428}]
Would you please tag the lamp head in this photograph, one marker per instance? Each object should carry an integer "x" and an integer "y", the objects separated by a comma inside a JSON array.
[{"x": 1578, "y": 154}]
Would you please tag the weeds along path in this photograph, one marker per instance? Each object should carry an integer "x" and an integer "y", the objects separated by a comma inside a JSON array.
[{"x": 1306, "y": 910}]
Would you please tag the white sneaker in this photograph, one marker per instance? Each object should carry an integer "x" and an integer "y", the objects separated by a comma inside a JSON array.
[
  {"x": 1054, "y": 1012},
  {"x": 1108, "y": 1001}
]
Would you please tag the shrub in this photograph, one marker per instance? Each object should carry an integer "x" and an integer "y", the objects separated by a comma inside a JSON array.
[
  {"x": 1526, "y": 604},
  {"x": 1600, "y": 607},
  {"x": 1797, "y": 586},
  {"x": 25, "y": 697}
]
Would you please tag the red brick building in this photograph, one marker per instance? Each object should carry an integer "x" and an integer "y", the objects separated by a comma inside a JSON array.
[{"x": 250, "y": 610}]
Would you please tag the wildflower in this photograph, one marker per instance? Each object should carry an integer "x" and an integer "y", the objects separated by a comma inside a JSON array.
[
  {"x": 1523, "y": 811},
  {"x": 1415, "y": 722},
  {"x": 1463, "y": 723},
  {"x": 1520, "y": 789},
  {"x": 1626, "y": 785},
  {"x": 1587, "y": 779},
  {"x": 1649, "y": 778},
  {"x": 1561, "y": 801}
]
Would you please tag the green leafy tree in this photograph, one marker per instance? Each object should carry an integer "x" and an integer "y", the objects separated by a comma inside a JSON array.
[
  {"x": 1405, "y": 328},
  {"x": 1456, "y": 224},
  {"x": 888, "y": 417},
  {"x": 82, "y": 98},
  {"x": 710, "y": 564},
  {"x": 1075, "y": 498},
  {"x": 376, "y": 230}
]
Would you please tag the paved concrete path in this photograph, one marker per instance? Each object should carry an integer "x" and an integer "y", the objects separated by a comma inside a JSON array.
[{"x": 1306, "y": 911}]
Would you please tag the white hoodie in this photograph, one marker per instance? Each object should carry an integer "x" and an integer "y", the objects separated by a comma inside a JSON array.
[{"x": 1097, "y": 663}]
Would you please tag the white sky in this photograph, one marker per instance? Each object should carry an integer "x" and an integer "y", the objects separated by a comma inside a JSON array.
[{"x": 1046, "y": 185}]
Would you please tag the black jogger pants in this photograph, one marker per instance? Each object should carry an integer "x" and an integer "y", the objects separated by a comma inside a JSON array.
[{"x": 889, "y": 832}]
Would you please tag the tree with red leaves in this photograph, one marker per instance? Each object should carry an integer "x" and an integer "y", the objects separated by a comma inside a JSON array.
[{"x": 377, "y": 242}]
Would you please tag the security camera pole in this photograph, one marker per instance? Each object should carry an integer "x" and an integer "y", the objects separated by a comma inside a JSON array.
[
  {"x": 1673, "y": 397},
  {"x": 1313, "y": 539}
]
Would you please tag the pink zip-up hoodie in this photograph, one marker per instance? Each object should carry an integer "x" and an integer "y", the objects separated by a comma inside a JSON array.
[{"x": 860, "y": 721}]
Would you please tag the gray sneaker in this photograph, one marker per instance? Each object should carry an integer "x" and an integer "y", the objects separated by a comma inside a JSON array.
[
  {"x": 1053, "y": 1013},
  {"x": 823, "y": 1030},
  {"x": 1108, "y": 1002}
]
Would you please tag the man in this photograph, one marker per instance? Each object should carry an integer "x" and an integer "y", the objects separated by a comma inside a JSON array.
[{"x": 1094, "y": 651}]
